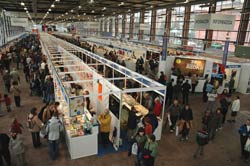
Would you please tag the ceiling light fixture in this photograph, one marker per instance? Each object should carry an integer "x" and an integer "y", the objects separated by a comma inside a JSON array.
[
  {"x": 84, "y": 14},
  {"x": 25, "y": 8},
  {"x": 50, "y": 10},
  {"x": 91, "y": 1},
  {"x": 57, "y": 0},
  {"x": 72, "y": 11},
  {"x": 22, "y": 4},
  {"x": 47, "y": 12},
  {"x": 92, "y": 11},
  {"x": 104, "y": 8},
  {"x": 66, "y": 13},
  {"x": 80, "y": 7},
  {"x": 52, "y": 5},
  {"x": 27, "y": 11}
]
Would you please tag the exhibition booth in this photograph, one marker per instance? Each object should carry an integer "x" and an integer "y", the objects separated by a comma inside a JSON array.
[
  {"x": 204, "y": 68},
  {"x": 109, "y": 86}
]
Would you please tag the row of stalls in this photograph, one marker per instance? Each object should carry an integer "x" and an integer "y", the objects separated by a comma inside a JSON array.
[
  {"x": 81, "y": 76},
  {"x": 234, "y": 74}
]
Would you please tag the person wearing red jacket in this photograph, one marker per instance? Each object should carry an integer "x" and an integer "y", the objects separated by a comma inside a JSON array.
[
  {"x": 157, "y": 107},
  {"x": 148, "y": 127}
]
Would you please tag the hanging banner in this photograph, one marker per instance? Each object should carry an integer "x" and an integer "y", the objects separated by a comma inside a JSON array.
[
  {"x": 23, "y": 22},
  {"x": 164, "y": 49},
  {"x": 214, "y": 22},
  {"x": 225, "y": 53}
]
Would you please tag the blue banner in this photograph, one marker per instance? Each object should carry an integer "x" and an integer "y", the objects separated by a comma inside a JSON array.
[
  {"x": 164, "y": 49},
  {"x": 225, "y": 53}
]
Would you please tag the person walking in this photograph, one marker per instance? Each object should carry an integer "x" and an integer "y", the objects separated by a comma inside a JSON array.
[
  {"x": 244, "y": 132},
  {"x": 211, "y": 100},
  {"x": 16, "y": 146},
  {"x": 4, "y": 149},
  {"x": 185, "y": 92},
  {"x": 214, "y": 124},
  {"x": 174, "y": 113},
  {"x": 177, "y": 90},
  {"x": 201, "y": 140},
  {"x": 34, "y": 125},
  {"x": 194, "y": 82},
  {"x": 150, "y": 151},
  {"x": 235, "y": 109},
  {"x": 186, "y": 119},
  {"x": 169, "y": 93},
  {"x": 17, "y": 93},
  {"x": 53, "y": 129},
  {"x": 140, "y": 139},
  {"x": 15, "y": 76},
  {"x": 105, "y": 121},
  {"x": 225, "y": 102},
  {"x": 204, "y": 91},
  {"x": 7, "y": 81}
]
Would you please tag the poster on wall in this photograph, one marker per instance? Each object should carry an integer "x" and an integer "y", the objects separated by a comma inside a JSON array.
[
  {"x": 248, "y": 86},
  {"x": 76, "y": 106},
  {"x": 190, "y": 66}
]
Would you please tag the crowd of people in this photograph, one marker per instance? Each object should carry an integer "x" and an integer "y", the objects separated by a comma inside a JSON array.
[{"x": 26, "y": 54}]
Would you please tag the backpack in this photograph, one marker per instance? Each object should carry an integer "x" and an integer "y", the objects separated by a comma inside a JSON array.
[{"x": 30, "y": 124}]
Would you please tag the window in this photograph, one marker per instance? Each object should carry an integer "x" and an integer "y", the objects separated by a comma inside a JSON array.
[
  {"x": 160, "y": 25},
  {"x": 147, "y": 20},
  {"x": 177, "y": 22},
  {"x": 136, "y": 25}
]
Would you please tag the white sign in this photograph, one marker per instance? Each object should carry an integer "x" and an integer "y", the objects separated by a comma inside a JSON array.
[
  {"x": 215, "y": 22},
  {"x": 144, "y": 26},
  {"x": 23, "y": 22}
]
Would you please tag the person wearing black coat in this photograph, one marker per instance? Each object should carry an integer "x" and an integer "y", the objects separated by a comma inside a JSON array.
[
  {"x": 204, "y": 92},
  {"x": 185, "y": 92},
  {"x": 132, "y": 123},
  {"x": 169, "y": 94},
  {"x": 4, "y": 149},
  {"x": 186, "y": 117},
  {"x": 224, "y": 103}
]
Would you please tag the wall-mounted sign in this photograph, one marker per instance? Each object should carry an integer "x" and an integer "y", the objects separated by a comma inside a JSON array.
[
  {"x": 23, "y": 22},
  {"x": 215, "y": 22},
  {"x": 190, "y": 66}
]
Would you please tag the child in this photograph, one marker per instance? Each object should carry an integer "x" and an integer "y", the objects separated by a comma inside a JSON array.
[{"x": 7, "y": 102}]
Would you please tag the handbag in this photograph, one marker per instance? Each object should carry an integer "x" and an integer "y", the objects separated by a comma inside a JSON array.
[
  {"x": 134, "y": 149},
  {"x": 247, "y": 145},
  {"x": 42, "y": 132}
]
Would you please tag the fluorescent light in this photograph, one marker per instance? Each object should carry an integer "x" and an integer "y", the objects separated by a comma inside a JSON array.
[
  {"x": 66, "y": 13},
  {"x": 47, "y": 12},
  {"x": 57, "y": 0},
  {"x": 25, "y": 8},
  {"x": 80, "y": 7},
  {"x": 49, "y": 9},
  {"x": 72, "y": 11},
  {"x": 92, "y": 11},
  {"x": 52, "y": 5},
  {"x": 22, "y": 4}
]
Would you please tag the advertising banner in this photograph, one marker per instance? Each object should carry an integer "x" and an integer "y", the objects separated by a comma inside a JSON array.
[
  {"x": 23, "y": 22},
  {"x": 190, "y": 66}
]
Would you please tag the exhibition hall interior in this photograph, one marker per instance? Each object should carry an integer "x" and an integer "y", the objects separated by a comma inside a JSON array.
[{"x": 135, "y": 82}]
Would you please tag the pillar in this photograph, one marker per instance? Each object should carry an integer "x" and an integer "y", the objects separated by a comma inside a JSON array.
[
  {"x": 111, "y": 25},
  {"x": 168, "y": 22},
  {"x": 141, "y": 21},
  {"x": 186, "y": 25},
  {"x": 242, "y": 31},
  {"x": 153, "y": 26},
  {"x": 131, "y": 26},
  {"x": 123, "y": 25},
  {"x": 209, "y": 33},
  {"x": 116, "y": 26}
]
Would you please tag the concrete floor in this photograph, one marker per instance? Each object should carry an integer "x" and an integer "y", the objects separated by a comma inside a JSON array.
[{"x": 225, "y": 150}]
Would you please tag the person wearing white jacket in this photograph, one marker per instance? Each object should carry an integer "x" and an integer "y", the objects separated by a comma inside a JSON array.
[
  {"x": 235, "y": 108},
  {"x": 53, "y": 129}
]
